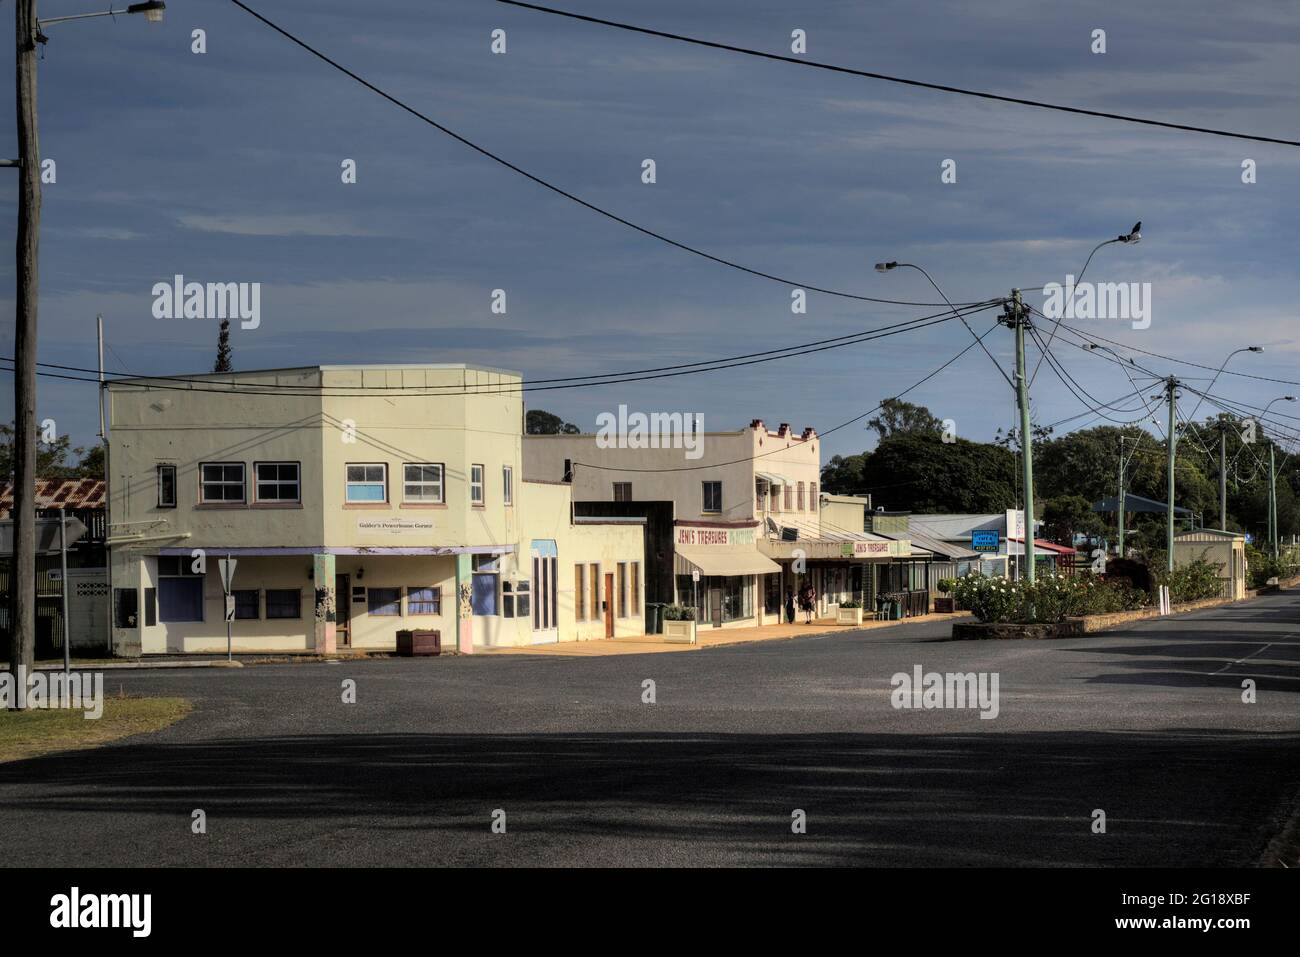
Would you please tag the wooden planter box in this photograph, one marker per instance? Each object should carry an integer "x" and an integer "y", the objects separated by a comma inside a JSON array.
[
  {"x": 419, "y": 643},
  {"x": 680, "y": 631},
  {"x": 848, "y": 616},
  {"x": 944, "y": 605}
]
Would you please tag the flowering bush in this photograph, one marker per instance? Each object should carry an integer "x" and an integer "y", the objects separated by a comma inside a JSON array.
[{"x": 1052, "y": 597}]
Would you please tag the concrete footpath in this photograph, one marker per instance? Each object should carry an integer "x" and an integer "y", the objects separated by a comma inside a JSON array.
[{"x": 707, "y": 638}]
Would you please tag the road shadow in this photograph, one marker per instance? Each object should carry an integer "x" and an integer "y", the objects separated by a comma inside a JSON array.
[{"x": 1190, "y": 797}]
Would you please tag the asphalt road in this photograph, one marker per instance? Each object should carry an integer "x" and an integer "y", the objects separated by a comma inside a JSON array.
[{"x": 1146, "y": 724}]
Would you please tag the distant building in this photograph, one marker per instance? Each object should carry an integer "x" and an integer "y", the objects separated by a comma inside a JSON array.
[{"x": 748, "y": 519}]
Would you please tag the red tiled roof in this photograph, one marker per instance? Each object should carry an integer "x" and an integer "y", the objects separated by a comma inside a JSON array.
[{"x": 58, "y": 493}]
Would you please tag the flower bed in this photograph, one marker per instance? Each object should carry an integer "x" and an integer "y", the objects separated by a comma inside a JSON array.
[{"x": 1052, "y": 598}]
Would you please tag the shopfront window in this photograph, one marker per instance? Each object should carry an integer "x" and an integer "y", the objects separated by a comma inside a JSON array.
[{"x": 720, "y": 599}]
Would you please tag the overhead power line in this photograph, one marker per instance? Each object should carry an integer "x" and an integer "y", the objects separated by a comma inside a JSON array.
[
  {"x": 922, "y": 84},
  {"x": 857, "y": 418},
  {"x": 558, "y": 190},
  {"x": 237, "y": 388}
]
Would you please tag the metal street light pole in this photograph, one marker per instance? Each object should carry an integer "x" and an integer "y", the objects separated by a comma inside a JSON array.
[
  {"x": 1171, "y": 393},
  {"x": 27, "y": 33},
  {"x": 1272, "y": 480}
]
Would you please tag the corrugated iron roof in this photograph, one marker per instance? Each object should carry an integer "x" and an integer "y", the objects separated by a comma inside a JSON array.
[{"x": 58, "y": 493}]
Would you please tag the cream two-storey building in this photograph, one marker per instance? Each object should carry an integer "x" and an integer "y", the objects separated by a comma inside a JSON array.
[{"x": 356, "y": 501}]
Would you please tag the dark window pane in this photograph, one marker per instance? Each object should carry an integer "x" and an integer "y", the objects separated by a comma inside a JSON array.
[
  {"x": 484, "y": 594},
  {"x": 283, "y": 603},
  {"x": 180, "y": 599},
  {"x": 384, "y": 601},
  {"x": 247, "y": 602}
]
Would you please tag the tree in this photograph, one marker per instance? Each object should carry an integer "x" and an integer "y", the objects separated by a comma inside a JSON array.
[
  {"x": 842, "y": 475},
  {"x": 1067, "y": 515},
  {"x": 898, "y": 417},
  {"x": 223, "y": 348},
  {"x": 924, "y": 474},
  {"x": 52, "y": 458},
  {"x": 541, "y": 422}
]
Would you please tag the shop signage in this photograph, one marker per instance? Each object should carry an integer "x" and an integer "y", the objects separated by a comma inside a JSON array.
[
  {"x": 693, "y": 535},
  {"x": 889, "y": 549},
  {"x": 395, "y": 526},
  {"x": 985, "y": 540}
]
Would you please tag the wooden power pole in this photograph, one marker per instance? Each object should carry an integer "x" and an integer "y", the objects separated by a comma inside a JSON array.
[{"x": 23, "y": 570}]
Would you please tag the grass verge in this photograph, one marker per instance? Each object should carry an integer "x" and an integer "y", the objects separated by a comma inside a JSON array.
[{"x": 33, "y": 732}]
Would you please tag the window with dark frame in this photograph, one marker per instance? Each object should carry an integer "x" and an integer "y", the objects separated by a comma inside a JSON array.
[
  {"x": 166, "y": 486},
  {"x": 277, "y": 482},
  {"x": 508, "y": 483},
  {"x": 712, "y": 496},
  {"x": 283, "y": 603},
  {"x": 247, "y": 603},
  {"x": 622, "y": 491},
  {"x": 221, "y": 483},
  {"x": 384, "y": 602}
]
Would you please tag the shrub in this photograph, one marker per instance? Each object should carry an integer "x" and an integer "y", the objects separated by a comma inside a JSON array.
[
  {"x": 1194, "y": 581},
  {"x": 944, "y": 586},
  {"x": 1051, "y": 598},
  {"x": 679, "y": 613},
  {"x": 850, "y": 604}
]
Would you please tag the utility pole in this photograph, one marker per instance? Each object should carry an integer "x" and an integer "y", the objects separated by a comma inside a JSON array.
[
  {"x": 1223, "y": 477},
  {"x": 1272, "y": 501},
  {"x": 1121, "y": 496},
  {"x": 1018, "y": 318},
  {"x": 1171, "y": 387},
  {"x": 23, "y": 571}
]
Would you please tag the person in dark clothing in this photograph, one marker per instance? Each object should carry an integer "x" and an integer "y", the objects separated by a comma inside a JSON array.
[
  {"x": 789, "y": 605},
  {"x": 808, "y": 601}
]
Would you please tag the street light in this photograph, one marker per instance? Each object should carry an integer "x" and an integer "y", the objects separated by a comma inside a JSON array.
[{"x": 152, "y": 10}]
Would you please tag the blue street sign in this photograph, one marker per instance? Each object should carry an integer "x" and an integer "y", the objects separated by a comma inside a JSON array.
[{"x": 984, "y": 540}]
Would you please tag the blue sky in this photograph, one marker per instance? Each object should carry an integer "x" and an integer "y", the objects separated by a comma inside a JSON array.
[{"x": 226, "y": 167}]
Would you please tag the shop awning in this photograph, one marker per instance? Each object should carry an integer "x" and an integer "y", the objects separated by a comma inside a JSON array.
[
  {"x": 771, "y": 479},
  {"x": 741, "y": 560}
]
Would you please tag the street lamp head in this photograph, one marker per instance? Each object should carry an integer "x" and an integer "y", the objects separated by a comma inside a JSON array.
[
  {"x": 885, "y": 267},
  {"x": 1134, "y": 235},
  {"x": 1255, "y": 348},
  {"x": 152, "y": 10},
  {"x": 1289, "y": 398}
]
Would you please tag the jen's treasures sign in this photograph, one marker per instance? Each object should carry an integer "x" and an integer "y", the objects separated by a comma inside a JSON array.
[
  {"x": 689, "y": 535},
  {"x": 395, "y": 526},
  {"x": 890, "y": 549}
]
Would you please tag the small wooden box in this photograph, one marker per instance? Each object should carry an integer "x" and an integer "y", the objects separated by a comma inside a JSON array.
[{"x": 418, "y": 643}]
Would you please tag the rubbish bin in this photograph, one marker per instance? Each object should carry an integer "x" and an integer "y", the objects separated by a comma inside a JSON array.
[
  {"x": 654, "y": 614},
  {"x": 895, "y": 610}
]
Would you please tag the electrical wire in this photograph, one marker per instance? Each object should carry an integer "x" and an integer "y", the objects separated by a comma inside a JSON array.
[
  {"x": 939, "y": 87},
  {"x": 560, "y": 191},
  {"x": 496, "y": 389}
]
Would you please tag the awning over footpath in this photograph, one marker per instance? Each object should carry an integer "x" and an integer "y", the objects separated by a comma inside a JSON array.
[
  {"x": 771, "y": 479},
  {"x": 726, "y": 560}
]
